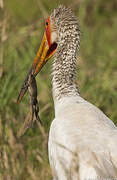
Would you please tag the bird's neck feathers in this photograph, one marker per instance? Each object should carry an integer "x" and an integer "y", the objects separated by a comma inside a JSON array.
[{"x": 64, "y": 66}]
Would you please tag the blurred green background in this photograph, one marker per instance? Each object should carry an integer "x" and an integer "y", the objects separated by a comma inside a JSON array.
[{"x": 21, "y": 30}]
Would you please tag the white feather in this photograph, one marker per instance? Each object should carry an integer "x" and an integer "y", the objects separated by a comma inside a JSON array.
[{"x": 82, "y": 141}]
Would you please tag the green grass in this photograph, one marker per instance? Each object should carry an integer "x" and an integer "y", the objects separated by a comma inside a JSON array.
[{"x": 97, "y": 71}]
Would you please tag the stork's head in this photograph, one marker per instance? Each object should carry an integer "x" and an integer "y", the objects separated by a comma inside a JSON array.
[
  {"x": 60, "y": 28},
  {"x": 61, "y": 32}
]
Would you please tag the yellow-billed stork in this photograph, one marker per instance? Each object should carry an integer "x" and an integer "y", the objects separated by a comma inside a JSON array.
[{"x": 82, "y": 139}]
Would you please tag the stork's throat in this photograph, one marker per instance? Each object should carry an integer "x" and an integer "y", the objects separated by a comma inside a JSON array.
[{"x": 52, "y": 49}]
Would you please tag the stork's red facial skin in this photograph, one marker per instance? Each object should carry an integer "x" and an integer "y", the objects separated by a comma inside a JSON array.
[
  {"x": 52, "y": 47},
  {"x": 48, "y": 31}
]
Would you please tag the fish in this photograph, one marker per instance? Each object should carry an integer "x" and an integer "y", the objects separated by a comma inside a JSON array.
[{"x": 31, "y": 85}]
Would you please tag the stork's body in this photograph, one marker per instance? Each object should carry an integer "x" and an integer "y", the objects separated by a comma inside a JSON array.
[
  {"x": 82, "y": 139},
  {"x": 82, "y": 142}
]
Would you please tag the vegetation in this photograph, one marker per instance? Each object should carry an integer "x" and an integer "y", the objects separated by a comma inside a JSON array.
[{"x": 21, "y": 30}]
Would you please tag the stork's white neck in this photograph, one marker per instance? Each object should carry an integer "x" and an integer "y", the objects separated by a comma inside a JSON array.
[{"x": 64, "y": 71}]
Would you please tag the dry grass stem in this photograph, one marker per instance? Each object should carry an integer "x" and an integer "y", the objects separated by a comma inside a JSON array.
[
  {"x": 45, "y": 108},
  {"x": 1, "y": 126},
  {"x": 24, "y": 127},
  {"x": 31, "y": 172},
  {"x": 3, "y": 37},
  {"x": 12, "y": 140},
  {"x": 1, "y": 4},
  {"x": 42, "y": 9},
  {"x": 7, "y": 167}
]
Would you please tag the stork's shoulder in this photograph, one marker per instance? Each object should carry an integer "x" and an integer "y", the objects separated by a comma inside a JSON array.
[
  {"x": 80, "y": 110},
  {"x": 83, "y": 124}
]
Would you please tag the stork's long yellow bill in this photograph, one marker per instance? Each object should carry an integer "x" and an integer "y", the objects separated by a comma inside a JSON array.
[
  {"x": 43, "y": 54},
  {"x": 41, "y": 57}
]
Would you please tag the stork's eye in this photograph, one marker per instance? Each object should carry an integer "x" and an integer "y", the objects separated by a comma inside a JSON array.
[{"x": 46, "y": 23}]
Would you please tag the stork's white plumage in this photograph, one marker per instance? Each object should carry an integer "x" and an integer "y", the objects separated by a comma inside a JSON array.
[{"x": 82, "y": 139}]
